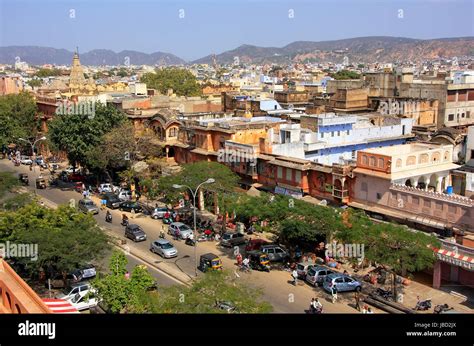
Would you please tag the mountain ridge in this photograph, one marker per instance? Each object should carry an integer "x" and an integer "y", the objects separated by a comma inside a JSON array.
[{"x": 358, "y": 49}]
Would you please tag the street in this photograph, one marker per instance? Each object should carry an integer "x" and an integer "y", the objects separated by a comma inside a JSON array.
[{"x": 276, "y": 286}]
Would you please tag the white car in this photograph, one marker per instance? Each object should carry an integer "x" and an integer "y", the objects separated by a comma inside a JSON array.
[
  {"x": 84, "y": 301},
  {"x": 125, "y": 195},
  {"x": 25, "y": 160}
]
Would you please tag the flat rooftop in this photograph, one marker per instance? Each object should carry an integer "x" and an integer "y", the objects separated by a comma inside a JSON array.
[{"x": 402, "y": 149}]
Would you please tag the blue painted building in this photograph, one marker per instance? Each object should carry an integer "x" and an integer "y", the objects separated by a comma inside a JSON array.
[{"x": 330, "y": 138}]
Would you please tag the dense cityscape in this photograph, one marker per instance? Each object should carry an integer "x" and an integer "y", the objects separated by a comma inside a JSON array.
[{"x": 320, "y": 177}]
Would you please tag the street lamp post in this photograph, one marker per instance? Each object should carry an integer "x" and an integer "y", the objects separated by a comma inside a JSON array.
[
  {"x": 194, "y": 194},
  {"x": 33, "y": 152}
]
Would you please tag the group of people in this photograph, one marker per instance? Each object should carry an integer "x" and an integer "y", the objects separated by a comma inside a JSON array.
[
  {"x": 315, "y": 306},
  {"x": 243, "y": 263}
]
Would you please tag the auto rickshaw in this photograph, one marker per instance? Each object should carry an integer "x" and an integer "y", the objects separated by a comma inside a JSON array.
[
  {"x": 41, "y": 183},
  {"x": 24, "y": 178},
  {"x": 259, "y": 260},
  {"x": 209, "y": 261}
]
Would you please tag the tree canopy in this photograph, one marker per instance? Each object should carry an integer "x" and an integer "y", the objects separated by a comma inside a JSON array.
[
  {"x": 66, "y": 239},
  {"x": 17, "y": 118},
  {"x": 345, "y": 74},
  {"x": 182, "y": 81},
  {"x": 194, "y": 174},
  {"x": 79, "y": 134},
  {"x": 47, "y": 72}
]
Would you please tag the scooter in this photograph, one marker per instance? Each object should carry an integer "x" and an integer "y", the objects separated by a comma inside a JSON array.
[
  {"x": 190, "y": 242},
  {"x": 124, "y": 221},
  {"x": 442, "y": 308},
  {"x": 108, "y": 217},
  {"x": 423, "y": 305},
  {"x": 385, "y": 294},
  {"x": 317, "y": 310}
]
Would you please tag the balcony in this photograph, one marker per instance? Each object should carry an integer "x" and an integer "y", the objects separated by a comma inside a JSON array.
[
  {"x": 457, "y": 199},
  {"x": 340, "y": 193}
]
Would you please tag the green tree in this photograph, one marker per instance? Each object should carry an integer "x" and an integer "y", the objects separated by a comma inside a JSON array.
[
  {"x": 7, "y": 182},
  {"x": 79, "y": 134},
  {"x": 204, "y": 295},
  {"x": 119, "y": 293},
  {"x": 182, "y": 81},
  {"x": 66, "y": 239},
  {"x": 194, "y": 174},
  {"x": 345, "y": 74},
  {"x": 17, "y": 118},
  {"x": 46, "y": 72},
  {"x": 34, "y": 83}
]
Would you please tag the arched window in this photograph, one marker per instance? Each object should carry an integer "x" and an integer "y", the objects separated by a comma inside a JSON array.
[
  {"x": 436, "y": 157},
  {"x": 399, "y": 163},
  {"x": 446, "y": 155},
  {"x": 372, "y": 161},
  {"x": 381, "y": 162},
  {"x": 411, "y": 160},
  {"x": 173, "y": 132},
  {"x": 423, "y": 158},
  {"x": 364, "y": 159}
]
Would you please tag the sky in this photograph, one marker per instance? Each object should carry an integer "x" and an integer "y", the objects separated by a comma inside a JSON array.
[{"x": 192, "y": 29}]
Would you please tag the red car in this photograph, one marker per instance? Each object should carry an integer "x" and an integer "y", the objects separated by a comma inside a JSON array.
[
  {"x": 75, "y": 177},
  {"x": 255, "y": 244}
]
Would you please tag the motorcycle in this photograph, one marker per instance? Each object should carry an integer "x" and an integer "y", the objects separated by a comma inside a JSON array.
[
  {"x": 317, "y": 310},
  {"x": 423, "y": 305},
  {"x": 442, "y": 308},
  {"x": 108, "y": 217},
  {"x": 385, "y": 294},
  {"x": 124, "y": 221},
  {"x": 190, "y": 242}
]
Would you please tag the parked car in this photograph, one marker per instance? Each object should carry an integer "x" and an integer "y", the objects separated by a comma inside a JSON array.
[
  {"x": 84, "y": 301},
  {"x": 163, "y": 248},
  {"x": 255, "y": 244},
  {"x": 184, "y": 230},
  {"x": 302, "y": 268},
  {"x": 107, "y": 187},
  {"x": 230, "y": 239},
  {"x": 342, "y": 282},
  {"x": 131, "y": 205},
  {"x": 72, "y": 290},
  {"x": 316, "y": 275},
  {"x": 135, "y": 233},
  {"x": 113, "y": 202},
  {"x": 275, "y": 253},
  {"x": 75, "y": 177},
  {"x": 85, "y": 273},
  {"x": 125, "y": 195},
  {"x": 88, "y": 206},
  {"x": 159, "y": 213},
  {"x": 25, "y": 160}
]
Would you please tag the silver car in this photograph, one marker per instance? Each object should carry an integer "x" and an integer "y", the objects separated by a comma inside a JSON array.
[
  {"x": 184, "y": 230},
  {"x": 88, "y": 206},
  {"x": 163, "y": 248},
  {"x": 316, "y": 275},
  {"x": 159, "y": 213}
]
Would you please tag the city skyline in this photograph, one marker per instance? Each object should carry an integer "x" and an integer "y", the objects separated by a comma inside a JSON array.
[{"x": 184, "y": 28}]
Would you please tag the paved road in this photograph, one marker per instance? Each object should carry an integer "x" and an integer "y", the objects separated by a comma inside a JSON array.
[{"x": 276, "y": 287}]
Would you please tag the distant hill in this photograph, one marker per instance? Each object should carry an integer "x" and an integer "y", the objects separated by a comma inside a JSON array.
[
  {"x": 360, "y": 49},
  {"x": 45, "y": 55}
]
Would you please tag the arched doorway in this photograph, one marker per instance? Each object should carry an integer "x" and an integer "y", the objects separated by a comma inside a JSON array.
[{"x": 408, "y": 183}]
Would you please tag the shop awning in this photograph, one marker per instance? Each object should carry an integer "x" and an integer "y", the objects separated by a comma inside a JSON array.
[
  {"x": 60, "y": 306},
  {"x": 455, "y": 258}
]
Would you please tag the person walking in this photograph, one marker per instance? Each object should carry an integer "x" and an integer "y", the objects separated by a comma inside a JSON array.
[
  {"x": 357, "y": 300},
  {"x": 294, "y": 275},
  {"x": 334, "y": 294}
]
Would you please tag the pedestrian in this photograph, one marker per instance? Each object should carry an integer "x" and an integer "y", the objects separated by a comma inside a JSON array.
[
  {"x": 357, "y": 300},
  {"x": 127, "y": 275},
  {"x": 294, "y": 274},
  {"x": 364, "y": 309},
  {"x": 239, "y": 259},
  {"x": 334, "y": 294},
  {"x": 84, "y": 193}
]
